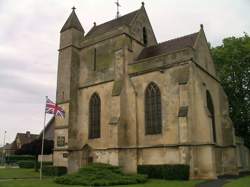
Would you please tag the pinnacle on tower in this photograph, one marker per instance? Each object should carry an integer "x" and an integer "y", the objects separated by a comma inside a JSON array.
[{"x": 72, "y": 22}]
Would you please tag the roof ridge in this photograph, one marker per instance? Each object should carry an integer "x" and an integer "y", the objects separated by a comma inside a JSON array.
[
  {"x": 178, "y": 38},
  {"x": 118, "y": 18},
  {"x": 115, "y": 22},
  {"x": 168, "y": 46}
]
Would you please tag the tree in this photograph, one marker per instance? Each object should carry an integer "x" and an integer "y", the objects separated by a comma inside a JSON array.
[
  {"x": 232, "y": 60},
  {"x": 34, "y": 148}
]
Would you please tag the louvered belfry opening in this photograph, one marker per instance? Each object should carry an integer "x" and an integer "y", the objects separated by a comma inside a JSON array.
[
  {"x": 94, "y": 116},
  {"x": 153, "y": 119}
]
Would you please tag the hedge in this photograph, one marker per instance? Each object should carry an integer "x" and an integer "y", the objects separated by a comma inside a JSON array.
[
  {"x": 49, "y": 170},
  {"x": 169, "y": 172},
  {"x": 98, "y": 174},
  {"x": 38, "y": 164},
  {"x": 26, "y": 164},
  {"x": 16, "y": 158}
]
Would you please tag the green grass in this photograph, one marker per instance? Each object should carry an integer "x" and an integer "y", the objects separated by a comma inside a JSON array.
[
  {"x": 50, "y": 183},
  {"x": 6, "y": 173},
  {"x": 242, "y": 182}
]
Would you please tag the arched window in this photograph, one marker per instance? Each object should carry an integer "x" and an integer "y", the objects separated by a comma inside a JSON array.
[
  {"x": 210, "y": 107},
  {"x": 153, "y": 109},
  {"x": 145, "y": 36},
  {"x": 94, "y": 116}
]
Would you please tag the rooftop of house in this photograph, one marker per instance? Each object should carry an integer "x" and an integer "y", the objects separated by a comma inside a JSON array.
[{"x": 26, "y": 137}]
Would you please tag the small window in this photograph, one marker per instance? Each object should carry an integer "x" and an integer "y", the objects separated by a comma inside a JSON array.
[
  {"x": 60, "y": 141},
  {"x": 145, "y": 37},
  {"x": 94, "y": 60},
  {"x": 153, "y": 119},
  {"x": 94, "y": 116}
]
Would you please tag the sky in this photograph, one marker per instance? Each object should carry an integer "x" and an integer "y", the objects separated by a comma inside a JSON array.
[{"x": 29, "y": 41}]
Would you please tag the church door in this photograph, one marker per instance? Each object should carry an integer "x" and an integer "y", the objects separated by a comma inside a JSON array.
[{"x": 87, "y": 156}]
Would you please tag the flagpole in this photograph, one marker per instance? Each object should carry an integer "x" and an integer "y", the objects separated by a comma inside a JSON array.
[{"x": 44, "y": 123}]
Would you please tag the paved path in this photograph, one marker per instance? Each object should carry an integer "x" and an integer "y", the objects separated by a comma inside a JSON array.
[{"x": 213, "y": 183}]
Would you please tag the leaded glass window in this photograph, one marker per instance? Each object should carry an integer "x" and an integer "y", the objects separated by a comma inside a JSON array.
[
  {"x": 94, "y": 116},
  {"x": 153, "y": 118}
]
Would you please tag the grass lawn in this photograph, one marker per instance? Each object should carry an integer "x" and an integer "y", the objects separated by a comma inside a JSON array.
[
  {"x": 50, "y": 183},
  {"x": 17, "y": 173},
  {"x": 242, "y": 182}
]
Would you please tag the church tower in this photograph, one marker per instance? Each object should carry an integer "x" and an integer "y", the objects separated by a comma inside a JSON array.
[{"x": 67, "y": 80}]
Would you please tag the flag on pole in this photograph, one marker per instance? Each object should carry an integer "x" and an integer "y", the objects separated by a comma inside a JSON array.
[{"x": 53, "y": 108}]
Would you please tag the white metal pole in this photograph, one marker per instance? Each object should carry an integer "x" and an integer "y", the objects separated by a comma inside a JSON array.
[{"x": 44, "y": 123}]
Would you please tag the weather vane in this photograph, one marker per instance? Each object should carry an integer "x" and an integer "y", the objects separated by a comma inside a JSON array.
[{"x": 117, "y": 5}]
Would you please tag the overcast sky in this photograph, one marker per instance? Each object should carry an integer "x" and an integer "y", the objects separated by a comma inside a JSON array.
[{"x": 29, "y": 40}]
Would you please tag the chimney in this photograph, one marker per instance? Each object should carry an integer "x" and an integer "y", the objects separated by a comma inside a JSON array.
[{"x": 28, "y": 133}]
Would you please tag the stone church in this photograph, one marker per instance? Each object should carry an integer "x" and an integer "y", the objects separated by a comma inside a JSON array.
[{"x": 131, "y": 101}]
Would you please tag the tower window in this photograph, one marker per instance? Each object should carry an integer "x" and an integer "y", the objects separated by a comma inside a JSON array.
[
  {"x": 210, "y": 107},
  {"x": 94, "y": 60},
  {"x": 94, "y": 116},
  {"x": 153, "y": 120},
  {"x": 145, "y": 37}
]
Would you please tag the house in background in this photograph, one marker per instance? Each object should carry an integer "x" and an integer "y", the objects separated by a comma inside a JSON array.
[
  {"x": 24, "y": 138},
  {"x": 20, "y": 140}
]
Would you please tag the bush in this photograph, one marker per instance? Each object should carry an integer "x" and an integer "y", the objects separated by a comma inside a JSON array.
[
  {"x": 26, "y": 164},
  {"x": 16, "y": 158},
  {"x": 100, "y": 175},
  {"x": 49, "y": 170},
  {"x": 38, "y": 164},
  {"x": 169, "y": 172}
]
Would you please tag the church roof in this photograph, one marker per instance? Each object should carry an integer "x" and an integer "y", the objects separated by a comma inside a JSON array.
[
  {"x": 110, "y": 25},
  {"x": 72, "y": 22},
  {"x": 168, "y": 46}
]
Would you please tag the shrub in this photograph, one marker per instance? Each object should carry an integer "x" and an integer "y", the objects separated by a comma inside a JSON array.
[
  {"x": 100, "y": 175},
  {"x": 26, "y": 164},
  {"x": 49, "y": 170},
  {"x": 38, "y": 164},
  {"x": 15, "y": 158},
  {"x": 170, "y": 172}
]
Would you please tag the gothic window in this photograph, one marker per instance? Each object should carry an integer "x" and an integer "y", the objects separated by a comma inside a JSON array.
[
  {"x": 94, "y": 116},
  {"x": 153, "y": 109},
  {"x": 145, "y": 37},
  {"x": 210, "y": 107}
]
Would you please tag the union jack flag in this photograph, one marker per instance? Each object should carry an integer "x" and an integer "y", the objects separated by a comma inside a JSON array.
[{"x": 53, "y": 108}]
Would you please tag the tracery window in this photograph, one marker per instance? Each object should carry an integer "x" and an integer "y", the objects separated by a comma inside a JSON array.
[
  {"x": 153, "y": 118},
  {"x": 210, "y": 107},
  {"x": 94, "y": 116}
]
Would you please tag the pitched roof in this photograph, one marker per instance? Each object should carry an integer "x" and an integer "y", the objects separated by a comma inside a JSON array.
[
  {"x": 50, "y": 125},
  {"x": 110, "y": 25},
  {"x": 168, "y": 46},
  {"x": 72, "y": 22},
  {"x": 26, "y": 137}
]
